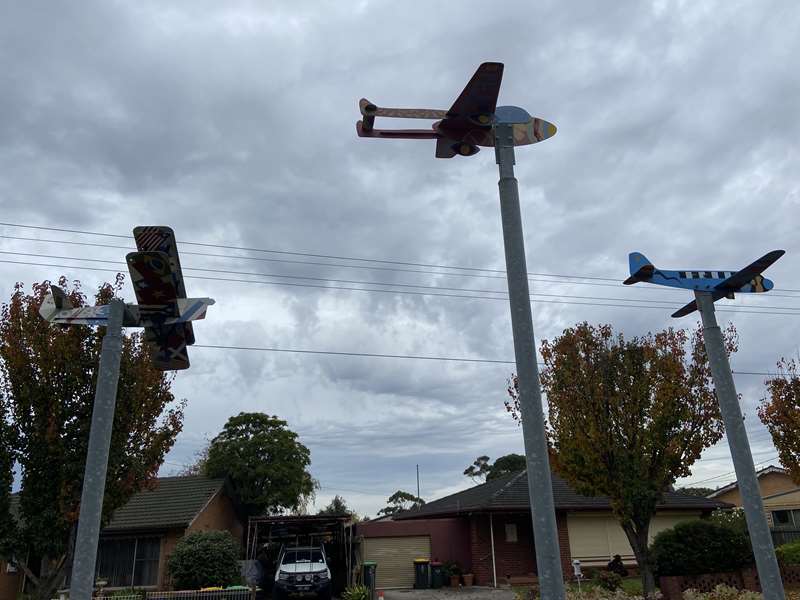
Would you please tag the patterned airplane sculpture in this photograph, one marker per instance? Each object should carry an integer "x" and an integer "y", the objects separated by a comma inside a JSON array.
[
  {"x": 720, "y": 284},
  {"x": 468, "y": 123},
  {"x": 163, "y": 308}
]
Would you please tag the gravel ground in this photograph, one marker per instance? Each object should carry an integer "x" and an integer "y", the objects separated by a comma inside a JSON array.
[{"x": 463, "y": 593}]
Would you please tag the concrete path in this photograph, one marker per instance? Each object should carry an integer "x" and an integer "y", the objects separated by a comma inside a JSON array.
[{"x": 446, "y": 593}]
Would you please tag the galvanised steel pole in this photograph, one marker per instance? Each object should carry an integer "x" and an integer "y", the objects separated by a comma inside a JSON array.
[
  {"x": 768, "y": 572},
  {"x": 94, "y": 478},
  {"x": 540, "y": 487}
]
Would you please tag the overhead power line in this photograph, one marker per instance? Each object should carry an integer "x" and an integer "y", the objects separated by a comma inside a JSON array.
[
  {"x": 398, "y": 356},
  {"x": 384, "y": 283},
  {"x": 288, "y": 252},
  {"x": 500, "y": 272},
  {"x": 755, "y": 310}
]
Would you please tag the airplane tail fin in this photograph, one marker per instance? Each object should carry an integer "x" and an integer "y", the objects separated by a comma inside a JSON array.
[
  {"x": 641, "y": 268},
  {"x": 54, "y": 302}
]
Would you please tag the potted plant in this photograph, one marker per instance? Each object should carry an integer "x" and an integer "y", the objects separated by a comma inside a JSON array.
[
  {"x": 468, "y": 578},
  {"x": 452, "y": 571}
]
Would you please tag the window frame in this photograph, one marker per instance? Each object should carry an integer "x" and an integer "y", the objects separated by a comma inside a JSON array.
[{"x": 130, "y": 573}]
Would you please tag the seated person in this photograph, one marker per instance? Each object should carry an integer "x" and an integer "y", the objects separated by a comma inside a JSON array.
[{"x": 616, "y": 566}]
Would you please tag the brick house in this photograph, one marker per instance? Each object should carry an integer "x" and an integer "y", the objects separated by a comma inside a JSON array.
[
  {"x": 136, "y": 544},
  {"x": 781, "y": 496},
  {"x": 494, "y": 522}
]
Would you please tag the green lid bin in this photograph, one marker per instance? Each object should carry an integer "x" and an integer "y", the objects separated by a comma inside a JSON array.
[
  {"x": 368, "y": 569},
  {"x": 437, "y": 575}
]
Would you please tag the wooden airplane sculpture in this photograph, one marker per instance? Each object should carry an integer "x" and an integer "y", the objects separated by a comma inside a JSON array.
[
  {"x": 469, "y": 122},
  {"x": 163, "y": 308},
  {"x": 720, "y": 284}
]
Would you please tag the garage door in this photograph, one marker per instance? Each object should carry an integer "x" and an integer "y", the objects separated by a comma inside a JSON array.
[{"x": 395, "y": 557}]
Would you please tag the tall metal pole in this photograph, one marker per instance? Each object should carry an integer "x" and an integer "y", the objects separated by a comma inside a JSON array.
[
  {"x": 540, "y": 487},
  {"x": 94, "y": 479},
  {"x": 417, "y": 484},
  {"x": 768, "y": 572}
]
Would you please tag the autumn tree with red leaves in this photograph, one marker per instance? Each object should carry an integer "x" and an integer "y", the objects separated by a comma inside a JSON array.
[
  {"x": 627, "y": 417},
  {"x": 47, "y": 382},
  {"x": 780, "y": 412}
]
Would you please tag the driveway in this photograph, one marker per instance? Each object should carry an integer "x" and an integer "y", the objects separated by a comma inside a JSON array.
[{"x": 446, "y": 593}]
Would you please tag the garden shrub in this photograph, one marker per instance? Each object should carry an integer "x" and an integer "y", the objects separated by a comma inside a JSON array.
[
  {"x": 698, "y": 547},
  {"x": 127, "y": 593},
  {"x": 608, "y": 580},
  {"x": 722, "y": 592},
  {"x": 356, "y": 592},
  {"x": 205, "y": 559},
  {"x": 789, "y": 554}
]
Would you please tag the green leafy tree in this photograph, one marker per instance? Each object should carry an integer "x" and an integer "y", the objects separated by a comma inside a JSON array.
[
  {"x": 265, "y": 462},
  {"x": 628, "y": 417},
  {"x": 478, "y": 469},
  {"x": 337, "y": 506},
  {"x": 780, "y": 412},
  {"x": 205, "y": 559},
  {"x": 732, "y": 518},
  {"x": 400, "y": 501},
  {"x": 47, "y": 382},
  {"x": 506, "y": 465}
]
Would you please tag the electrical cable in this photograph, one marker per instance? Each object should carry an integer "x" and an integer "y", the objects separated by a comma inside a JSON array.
[
  {"x": 745, "y": 310},
  {"x": 314, "y": 255}
]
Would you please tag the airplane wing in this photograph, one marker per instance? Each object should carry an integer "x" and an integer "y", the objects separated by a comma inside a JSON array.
[
  {"x": 408, "y": 134},
  {"x": 85, "y": 315},
  {"x": 747, "y": 274},
  {"x": 368, "y": 109},
  {"x": 479, "y": 98},
  {"x": 153, "y": 284},
  {"x": 692, "y": 306},
  {"x": 159, "y": 238},
  {"x": 167, "y": 345}
]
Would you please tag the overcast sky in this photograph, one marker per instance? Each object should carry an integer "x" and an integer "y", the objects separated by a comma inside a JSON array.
[{"x": 234, "y": 123}]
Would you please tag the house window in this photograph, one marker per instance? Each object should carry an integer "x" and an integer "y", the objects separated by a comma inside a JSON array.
[
  {"x": 127, "y": 562},
  {"x": 782, "y": 518},
  {"x": 511, "y": 532}
]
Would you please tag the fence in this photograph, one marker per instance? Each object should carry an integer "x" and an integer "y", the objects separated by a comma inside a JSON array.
[
  {"x": 229, "y": 594},
  {"x": 784, "y": 535}
]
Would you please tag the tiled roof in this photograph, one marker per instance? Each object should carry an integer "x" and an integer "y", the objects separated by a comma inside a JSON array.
[
  {"x": 172, "y": 502},
  {"x": 511, "y": 493},
  {"x": 735, "y": 484}
]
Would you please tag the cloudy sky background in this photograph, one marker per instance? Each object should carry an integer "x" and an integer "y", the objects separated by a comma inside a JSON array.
[{"x": 234, "y": 123}]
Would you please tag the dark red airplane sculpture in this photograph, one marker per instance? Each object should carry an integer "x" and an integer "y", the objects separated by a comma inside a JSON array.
[{"x": 469, "y": 122}]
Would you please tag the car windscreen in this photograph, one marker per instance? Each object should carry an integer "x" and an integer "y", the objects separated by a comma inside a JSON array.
[{"x": 302, "y": 556}]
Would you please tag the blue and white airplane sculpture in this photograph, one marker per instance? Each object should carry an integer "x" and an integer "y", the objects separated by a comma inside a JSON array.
[{"x": 720, "y": 284}]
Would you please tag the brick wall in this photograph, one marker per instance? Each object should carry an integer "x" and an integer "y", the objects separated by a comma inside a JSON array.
[
  {"x": 512, "y": 558},
  {"x": 168, "y": 543},
  {"x": 218, "y": 515},
  {"x": 563, "y": 544},
  {"x": 9, "y": 583}
]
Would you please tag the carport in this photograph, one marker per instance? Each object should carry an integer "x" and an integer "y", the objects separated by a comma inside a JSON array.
[{"x": 266, "y": 536}]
